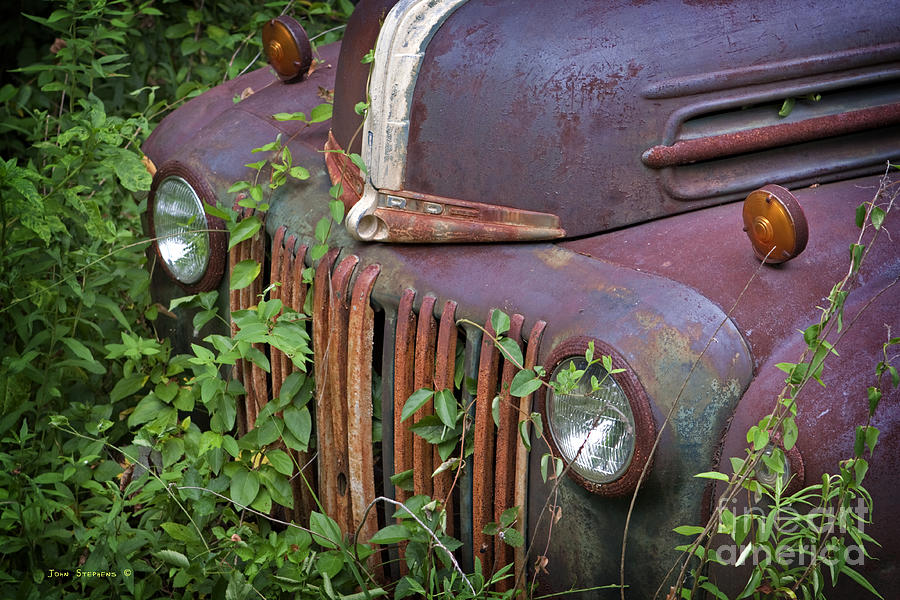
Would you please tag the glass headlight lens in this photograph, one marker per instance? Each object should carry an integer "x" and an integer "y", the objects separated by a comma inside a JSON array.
[
  {"x": 594, "y": 431},
  {"x": 181, "y": 228}
]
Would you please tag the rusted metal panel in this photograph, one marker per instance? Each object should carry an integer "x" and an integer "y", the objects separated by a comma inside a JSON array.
[
  {"x": 444, "y": 372},
  {"x": 423, "y": 452},
  {"x": 570, "y": 116},
  {"x": 521, "y": 474},
  {"x": 342, "y": 170},
  {"x": 504, "y": 477},
  {"x": 483, "y": 457},
  {"x": 404, "y": 386},
  {"x": 360, "y": 467}
]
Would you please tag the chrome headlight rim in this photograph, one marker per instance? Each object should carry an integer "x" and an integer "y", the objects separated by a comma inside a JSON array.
[
  {"x": 639, "y": 402},
  {"x": 215, "y": 267}
]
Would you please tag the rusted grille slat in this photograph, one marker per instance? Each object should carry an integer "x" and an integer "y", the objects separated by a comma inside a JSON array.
[
  {"x": 335, "y": 412},
  {"x": 444, "y": 371},
  {"x": 259, "y": 392},
  {"x": 276, "y": 356},
  {"x": 483, "y": 458},
  {"x": 504, "y": 485},
  {"x": 521, "y": 478},
  {"x": 320, "y": 317},
  {"x": 234, "y": 303},
  {"x": 292, "y": 289},
  {"x": 423, "y": 452},
  {"x": 404, "y": 368},
  {"x": 286, "y": 265},
  {"x": 361, "y": 326}
]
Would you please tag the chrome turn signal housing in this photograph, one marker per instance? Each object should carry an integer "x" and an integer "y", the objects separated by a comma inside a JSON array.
[
  {"x": 287, "y": 48},
  {"x": 775, "y": 224}
]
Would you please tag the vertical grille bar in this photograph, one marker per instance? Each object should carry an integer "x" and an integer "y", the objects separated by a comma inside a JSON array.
[
  {"x": 361, "y": 326},
  {"x": 275, "y": 355},
  {"x": 292, "y": 289},
  {"x": 521, "y": 478},
  {"x": 444, "y": 371},
  {"x": 336, "y": 386},
  {"x": 293, "y": 295},
  {"x": 235, "y": 255},
  {"x": 258, "y": 394},
  {"x": 483, "y": 458},
  {"x": 325, "y": 441},
  {"x": 504, "y": 485},
  {"x": 424, "y": 378},
  {"x": 404, "y": 369},
  {"x": 470, "y": 367}
]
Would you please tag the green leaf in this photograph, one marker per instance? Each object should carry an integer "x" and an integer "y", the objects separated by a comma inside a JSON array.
[
  {"x": 320, "y": 113},
  {"x": 281, "y": 461},
  {"x": 861, "y": 215},
  {"x": 244, "y": 230},
  {"x": 524, "y": 383},
  {"x": 877, "y": 217},
  {"x": 856, "y": 254},
  {"x": 416, "y": 401},
  {"x": 790, "y": 433},
  {"x": 786, "y": 107},
  {"x": 499, "y": 322},
  {"x": 689, "y": 530},
  {"x": 511, "y": 351},
  {"x": 445, "y": 407},
  {"x": 325, "y": 531},
  {"x": 323, "y": 228},
  {"x": 713, "y": 475},
  {"x": 243, "y": 274},
  {"x": 390, "y": 535},
  {"x": 244, "y": 487},
  {"x": 298, "y": 421},
  {"x": 407, "y": 587},
  {"x": 173, "y": 558},
  {"x": 78, "y": 349},
  {"x": 523, "y": 434},
  {"x": 495, "y": 410},
  {"x": 862, "y": 581},
  {"x": 513, "y": 538},
  {"x": 180, "y": 532},
  {"x": 291, "y": 385},
  {"x": 404, "y": 480}
]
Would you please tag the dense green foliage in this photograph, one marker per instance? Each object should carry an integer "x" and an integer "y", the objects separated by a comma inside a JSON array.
[{"x": 85, "y": 388}]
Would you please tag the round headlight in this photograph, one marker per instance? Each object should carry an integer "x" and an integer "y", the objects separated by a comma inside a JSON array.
[
  {"x": 189, "y": 242},
  {"x": 604, "y": 435},
  {"x": 594, "y": 430},
  {"x": 181, "y": 230}
]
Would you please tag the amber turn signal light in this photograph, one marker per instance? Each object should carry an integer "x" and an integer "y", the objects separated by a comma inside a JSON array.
[
  {"x": 775, "y": 224},
  {"x": 287, "y": 48}
]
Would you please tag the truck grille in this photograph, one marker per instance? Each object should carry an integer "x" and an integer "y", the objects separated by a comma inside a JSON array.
[{"x": 418, "y": 351}]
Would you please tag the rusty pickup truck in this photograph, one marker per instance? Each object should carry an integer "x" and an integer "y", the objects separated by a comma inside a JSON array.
[{"x": 607, "y": 172}]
